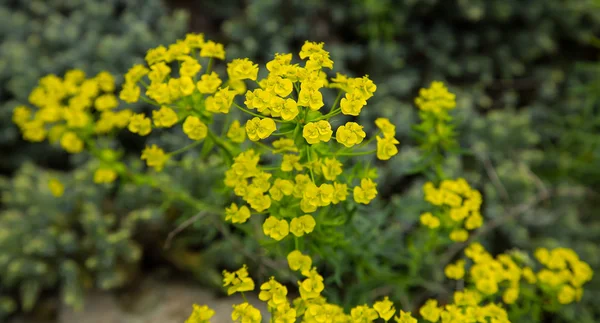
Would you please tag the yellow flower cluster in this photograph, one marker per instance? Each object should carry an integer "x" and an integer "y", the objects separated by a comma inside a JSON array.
[
  {"x": 238, "y": 281},
  {"x": 458, "y": 208},
  {"x": 563, "y": 274},
  {"x": 312, "y": 307},
  {"x": 436, "y": 99},
  {"x": 71, "y": 111},
  {"x": 466, "y": 308}
]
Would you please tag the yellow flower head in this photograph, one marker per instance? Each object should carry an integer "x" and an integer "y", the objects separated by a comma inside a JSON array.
[
  {"x": 139, "y": 124},
  {"x": 165, "y": 117},
  {"x": 155, "y": 157},
  {"x": 104, "y": 175},
  {"x": 200, "y": 314},
  {"x": 385, "y": 308},
  {"x": 212, "y": 49},
  {"x": 258, "y": 128},
  {"x": 209, "y": 83},
  {"x": 246, "y": 313},
  {"x": 194, "y": 128},
  {"x": 275, "y": 228},
  {"x": 436, "y": 99},
  {"x": 71, "y": 142},
  {"x": 298, "y": 261},
  {"x": 221, "y": 101},
  {"x": 366, "y": 192},
  {"x": 238, "y": 281},
  {"x": 236, "y": 132},
  {"x": 56, "y": 187},
  {"x": 350, "y": 134},
  {"x": 301, "y": 225},
  {"x": 241, "y": 69},
  {"x": 315, "y": 132}
]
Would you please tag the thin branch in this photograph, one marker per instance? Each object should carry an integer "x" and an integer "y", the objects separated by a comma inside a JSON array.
[
  {"x": 182, "y": 227},
  {"x": 493, "y": 175}
]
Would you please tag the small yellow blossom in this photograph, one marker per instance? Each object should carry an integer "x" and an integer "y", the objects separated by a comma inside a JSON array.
[
  {"x": 56, "y": 187},
  {"x": 299, "y": 262},
  {"x": 212, "y": 49},
  {"x": 200, "y": 314},
  {"x": 194, "y": 128},
  {"x": 258, "y": 128},
  {"x": 209, "y": 83},
  {"x": 236, "y": 132},
  {"x": 385, "y": 308},
  {"x": 350, "y": 134},
  {"x": 237, "y": 215},
  {"x": 140, "y": 124},
  {"x": 165, "y": 117},
  {"x": 366, "y": 192},
  {"x": 104, "y": 175},
  {"x": 301, "y": 225},
  {"x": 71, "y": 142},
  {"x": 315, "y": 132},
  {"x": 275, "y": 228},
  {"x": 155, "y": 157}
]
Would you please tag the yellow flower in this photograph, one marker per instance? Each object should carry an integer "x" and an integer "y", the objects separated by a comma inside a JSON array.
[
  {"x": 331, "y": 168},
  {"x": 56, "y": 187},
  {"x": 311, "y": 98},
  {"x": 193, "y": 40},
  {"x": 200, "y": 314},
  {"x": 104, "y": 175},
  {"x": 194, "y": 128},
  {"x": 385, "y": 308},
  {"x": 312, "y": 286},
  {"x": 363, "y": 86},
  {"x": 130, "y": 93},
  {"x": 510, "y": 295},
  {"x": 291, "y": 162},
  {"x": 238, "y": 281},
  {"x": 241, "y": 69},
  {"x": 155, "y": 157},
  {"x": 258, "y": 128},
  {"x": 21, "y": 115},
  {"x": 273, "y": 292},
  {"x": 209, "y": 83},
  {"x": 281, "y": 86},
  {"x": 190, "y": 67},
  {"x": 212, "y": 49},
  {"x": 386, "y": 127},
  {"x": 155, "y": 55},
  {"x": 139, "y": 124},
  {"x": 34, "y": 131},
  {"x": 430, "y": 311},
  {"x": 289, "y": 111},
  {"x": 298, "y": 261},
  {"x": 459, "y": 235},
  {"x": 436, "y": 99},
  {"x": 135, "y": 73},
  {"x": 340, "y": 192},
  {"x": 237, "y": 215},
  {"x": 165, "y": 117},
  {"x": 221, "y": 101},
  {"x": 301, "y": 225},
  {"x": 246, "y": 313},
  {"x": 363, "y": 313},
  {"x": 430, "y": 221},
  {"x": 405, "y": 317},
  {"x": 236, "y": 132},
  {"x": 366, "y": 192},
  {"x": 474, "y": 221},
  {"x": 276, "y": 229},
  {"x": 281, "y": 187},
  {"x": 455, "y": 271},
  {"x": 158, "y": 72},
  {"x": 352, "y": 104},
  {"x": 386, "y": 147},
  {"x": 106, "y": 102},
  {"x": 71, "y": 142},
  {"x": 350, "y": 134},
  {"x": 315, "y": 132}
]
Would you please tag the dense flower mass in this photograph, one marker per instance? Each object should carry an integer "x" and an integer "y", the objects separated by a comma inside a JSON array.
[{"x": 457, "y": 208}]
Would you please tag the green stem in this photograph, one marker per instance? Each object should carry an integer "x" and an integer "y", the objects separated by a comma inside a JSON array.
[
  {"x": 145, "y": 99},
  {"x": 186, "y": 148},
  {"x": 362, "y": 153},
  {"x": 221, "y": 144},
  {"x": 209, "y": 67}
]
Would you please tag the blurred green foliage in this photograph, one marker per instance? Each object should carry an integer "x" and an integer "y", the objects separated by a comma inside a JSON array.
[{"x": 40, "y": 37}]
